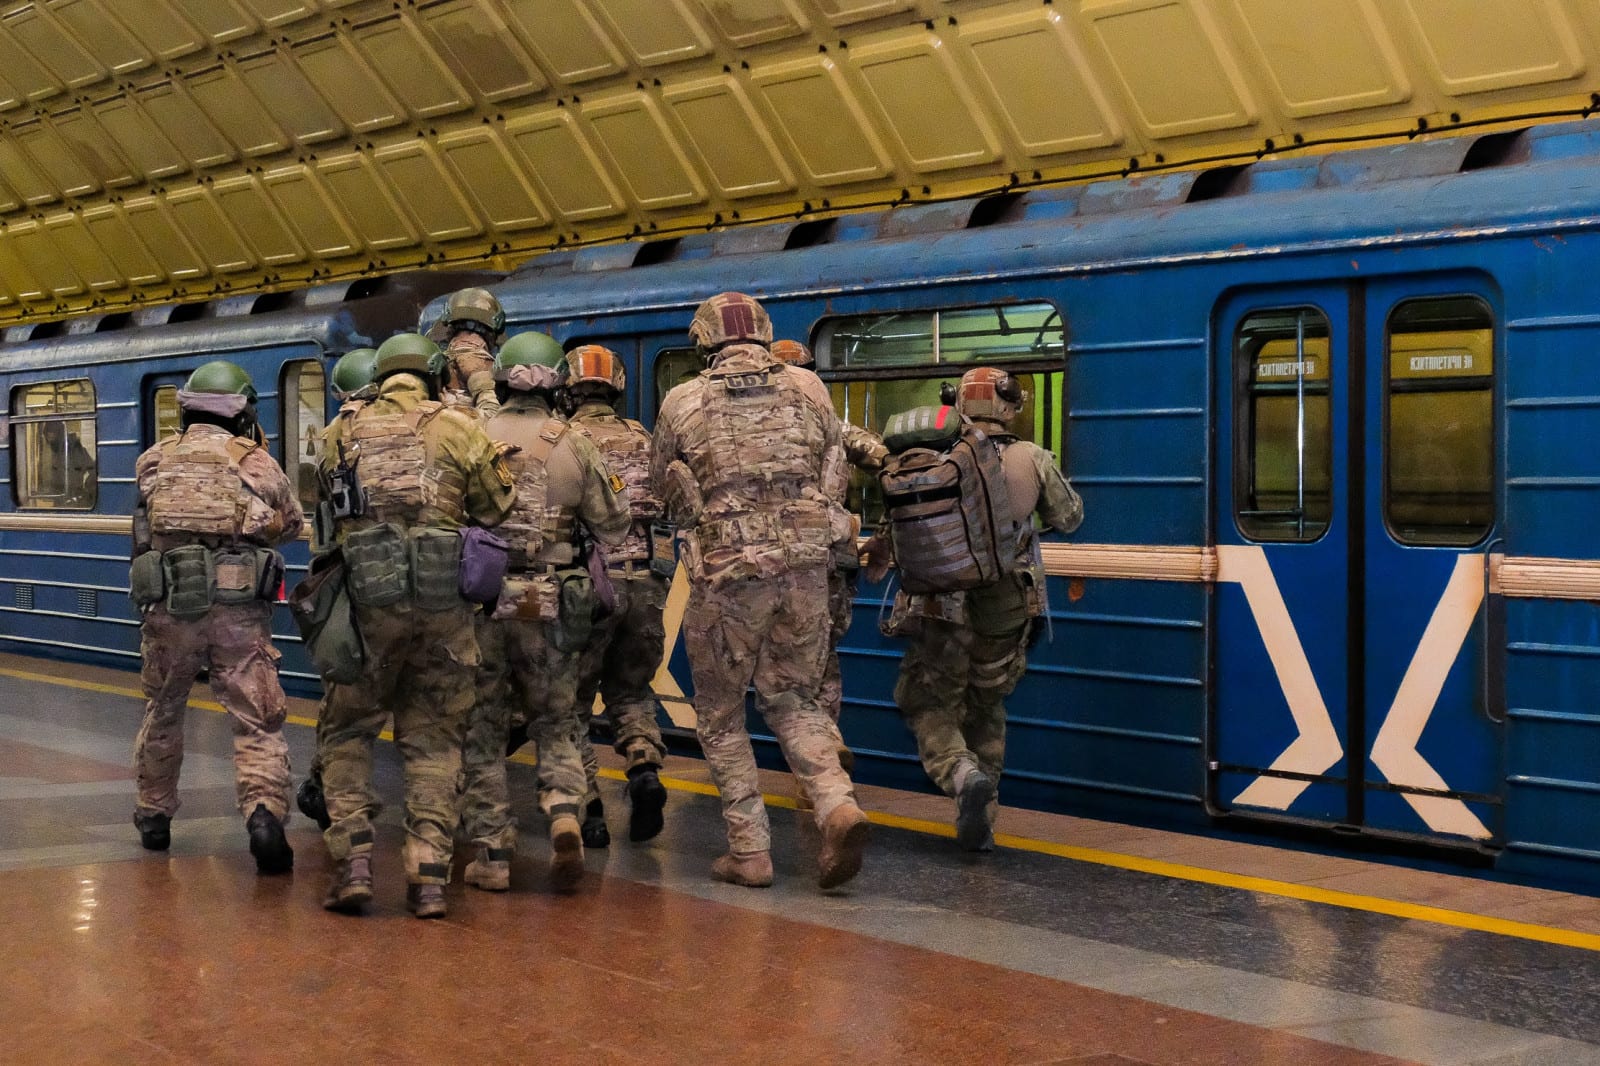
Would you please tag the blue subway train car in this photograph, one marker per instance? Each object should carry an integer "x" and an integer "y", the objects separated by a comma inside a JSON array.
[
  {"x": 86, "y": 396},
  {"x": 1330, "y": 417}
]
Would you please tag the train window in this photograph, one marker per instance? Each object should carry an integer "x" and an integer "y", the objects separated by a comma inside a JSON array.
[
  {"x": 304, "y": 395},
  {"x": 960, "y": 335},
  {"x": 168, "y": 421},
  {"x": 1439, "y": 462},
  {"x": 53, "y": 462},
  {"x": 674, "y": 366},
  {"x": 1285, "y": 447}
]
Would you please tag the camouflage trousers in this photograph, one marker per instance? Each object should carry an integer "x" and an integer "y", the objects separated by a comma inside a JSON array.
[
  {"x": 841, "y": 607},
  {"x": 522, "y": 669},
  {"x": 772, "y": 632},
  {"x": 619, "y": 664},
  {"x": 955, "y": 678},
  {"x": 235, "y": 643},
  {"x": 419, "y": 667}
]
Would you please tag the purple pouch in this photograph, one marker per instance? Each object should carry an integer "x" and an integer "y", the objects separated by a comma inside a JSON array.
[
  {"x": 605, "y": 594},
  {"x": 483, "y": 565}
]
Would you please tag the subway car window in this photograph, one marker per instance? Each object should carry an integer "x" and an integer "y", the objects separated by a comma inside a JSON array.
[
  {"x": 304, "y": 396},
  {"x": 53, "y": 463},
  {"x": 1439, "y": 449},
  {"x": 673, "y": 367},
  {"x": 1283, "y": 486},
  {"x": 930, "y": 348},
  {"x": 166, "y": 417}
]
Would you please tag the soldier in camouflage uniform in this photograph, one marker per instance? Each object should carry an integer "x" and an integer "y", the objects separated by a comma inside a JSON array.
[
  {"x": 748, "y": 462},
  {"x": 407, "y": 473},
  {"x": 470, "y": 330},
  {"x": 541, "y": 621},
  {"x": 625, "y": 650},
  {"x": 350, "y": 382},
  {"x": 864, "y": 450},
  {"x": 969, "y": 649},
  {"x": 213, "y": 501}
]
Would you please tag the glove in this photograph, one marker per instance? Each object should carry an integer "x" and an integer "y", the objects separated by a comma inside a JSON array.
[{"x": 876, "y": 558}]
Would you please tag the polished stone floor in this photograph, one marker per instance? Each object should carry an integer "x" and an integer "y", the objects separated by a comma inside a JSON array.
[{"x": 116, "y": 955}]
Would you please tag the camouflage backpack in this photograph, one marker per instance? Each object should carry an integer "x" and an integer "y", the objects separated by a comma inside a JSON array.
[{"x": 944, "y": 492}]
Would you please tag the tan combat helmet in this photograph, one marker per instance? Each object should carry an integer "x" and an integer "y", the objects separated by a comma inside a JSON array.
[
  {"x": 730, "y": 318},
  {"x": 476, "y": 311},
  {"x": 794, "y": 353},
  {"x": 595, "y": 365},
  {"x": 987, "y": 394}
]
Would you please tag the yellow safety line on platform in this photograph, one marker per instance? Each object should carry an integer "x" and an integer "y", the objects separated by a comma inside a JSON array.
[{"x": 1420, "y": 912}]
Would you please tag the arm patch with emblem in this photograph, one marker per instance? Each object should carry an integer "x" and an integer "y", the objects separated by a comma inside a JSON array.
[{"x": 617, "y": 484}]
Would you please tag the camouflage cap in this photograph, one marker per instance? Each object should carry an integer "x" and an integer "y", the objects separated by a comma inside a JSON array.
[
  {"x": 594, "y": 364},
  {"x": 794, "y": 353},
  {"x": 727, "y": 318},
  {"x": 989, "y": 394}
]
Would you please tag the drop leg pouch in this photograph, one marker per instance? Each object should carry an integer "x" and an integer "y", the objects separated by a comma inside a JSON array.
[{"x": 326, "y": 619}]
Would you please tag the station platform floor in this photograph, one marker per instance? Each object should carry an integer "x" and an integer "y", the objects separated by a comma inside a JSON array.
[{"x": 1075, "y": 942}]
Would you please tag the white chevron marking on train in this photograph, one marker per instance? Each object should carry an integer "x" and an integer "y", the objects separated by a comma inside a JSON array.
[
  {"x": 1394, "y": 752},
  {"x": 1318, "y": 747}
]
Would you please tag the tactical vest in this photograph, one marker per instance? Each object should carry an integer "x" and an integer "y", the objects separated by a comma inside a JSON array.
[
  {"x": 945, "y": 496},
  {"x": 625, "y": 444},
  {"x": 539, "y": 532},
  {"x": 199, "y": 493},
  {"x": 391, "y": 461}
]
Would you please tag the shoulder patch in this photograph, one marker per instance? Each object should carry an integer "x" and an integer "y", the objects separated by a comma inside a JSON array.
[
  {"x": 502, "y": 469},
  {"x": 617, "y": 484}
]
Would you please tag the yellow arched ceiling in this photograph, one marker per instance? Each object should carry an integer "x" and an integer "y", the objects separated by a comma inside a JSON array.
[{"x": 153, "y": 150}]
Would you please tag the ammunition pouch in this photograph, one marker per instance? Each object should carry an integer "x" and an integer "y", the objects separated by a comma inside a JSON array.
[
  {"x": 146, "y": 582},
  {"x": 529, "y": 598},
  {"x": 244, "y": 575},
  {"x": 190, "y": 581},
  {"x": 377, "y": 563},
  {"x": 327, "y": 622},
  {"x": 575, "y": 615},
  {"x": 436, "y": 568}
]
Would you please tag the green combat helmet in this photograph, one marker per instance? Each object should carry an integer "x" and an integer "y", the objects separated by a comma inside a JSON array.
[
  {"x": 221, "y": 378},
  {"x": 531, "y": 361},
  {"x": 353, "y": 372},
  {"x": 410, "y": 353},
  {"x": 477, "y": 311}
]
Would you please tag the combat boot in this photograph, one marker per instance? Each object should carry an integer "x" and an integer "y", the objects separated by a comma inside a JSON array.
[
  {"x": 649, "y": 798},
  {"x": 312, "y": 801},
  {"x": 844, "y": 839},
  {"x": 596, "y": 834},
  {"x": 752, "y": 869},
  {"x": 267, "y": 842},
  {"x": 426, "y": 901},
  {"x": 490, "y": 871},
  {"x": 975, "y": 791},
  {"x": 351, "y": 889},
  {"x": 566, "y": 852},
  {"x": 155, "y": 831}
]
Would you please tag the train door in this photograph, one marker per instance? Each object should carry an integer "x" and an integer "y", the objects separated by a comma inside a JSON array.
[{"x": 1356, "y": 451}]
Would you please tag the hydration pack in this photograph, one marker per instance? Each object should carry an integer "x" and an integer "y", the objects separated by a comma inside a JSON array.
[{"x": 944, "y": 492}]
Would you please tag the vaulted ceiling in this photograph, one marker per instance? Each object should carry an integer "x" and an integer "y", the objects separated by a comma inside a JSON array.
[{"x": 153, "y": 150}]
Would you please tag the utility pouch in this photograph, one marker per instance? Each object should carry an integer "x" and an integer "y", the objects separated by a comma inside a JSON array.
[
  {"x": 529, "y": 599},
  {"x": 663, "y": 552},
  {"x": 237, "y": 574},
  {"x": 483, "y": 565},
  {"x": 575, "y": 614},
  {"x": 322, "y": 611},
  {"x": 377, "y": 567},
  {"x": 190, "y": 581},
  {"x": 436, "y": 568},
  {"x": 146, "y": 583},
  {"x": 902, "y": 621}
]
